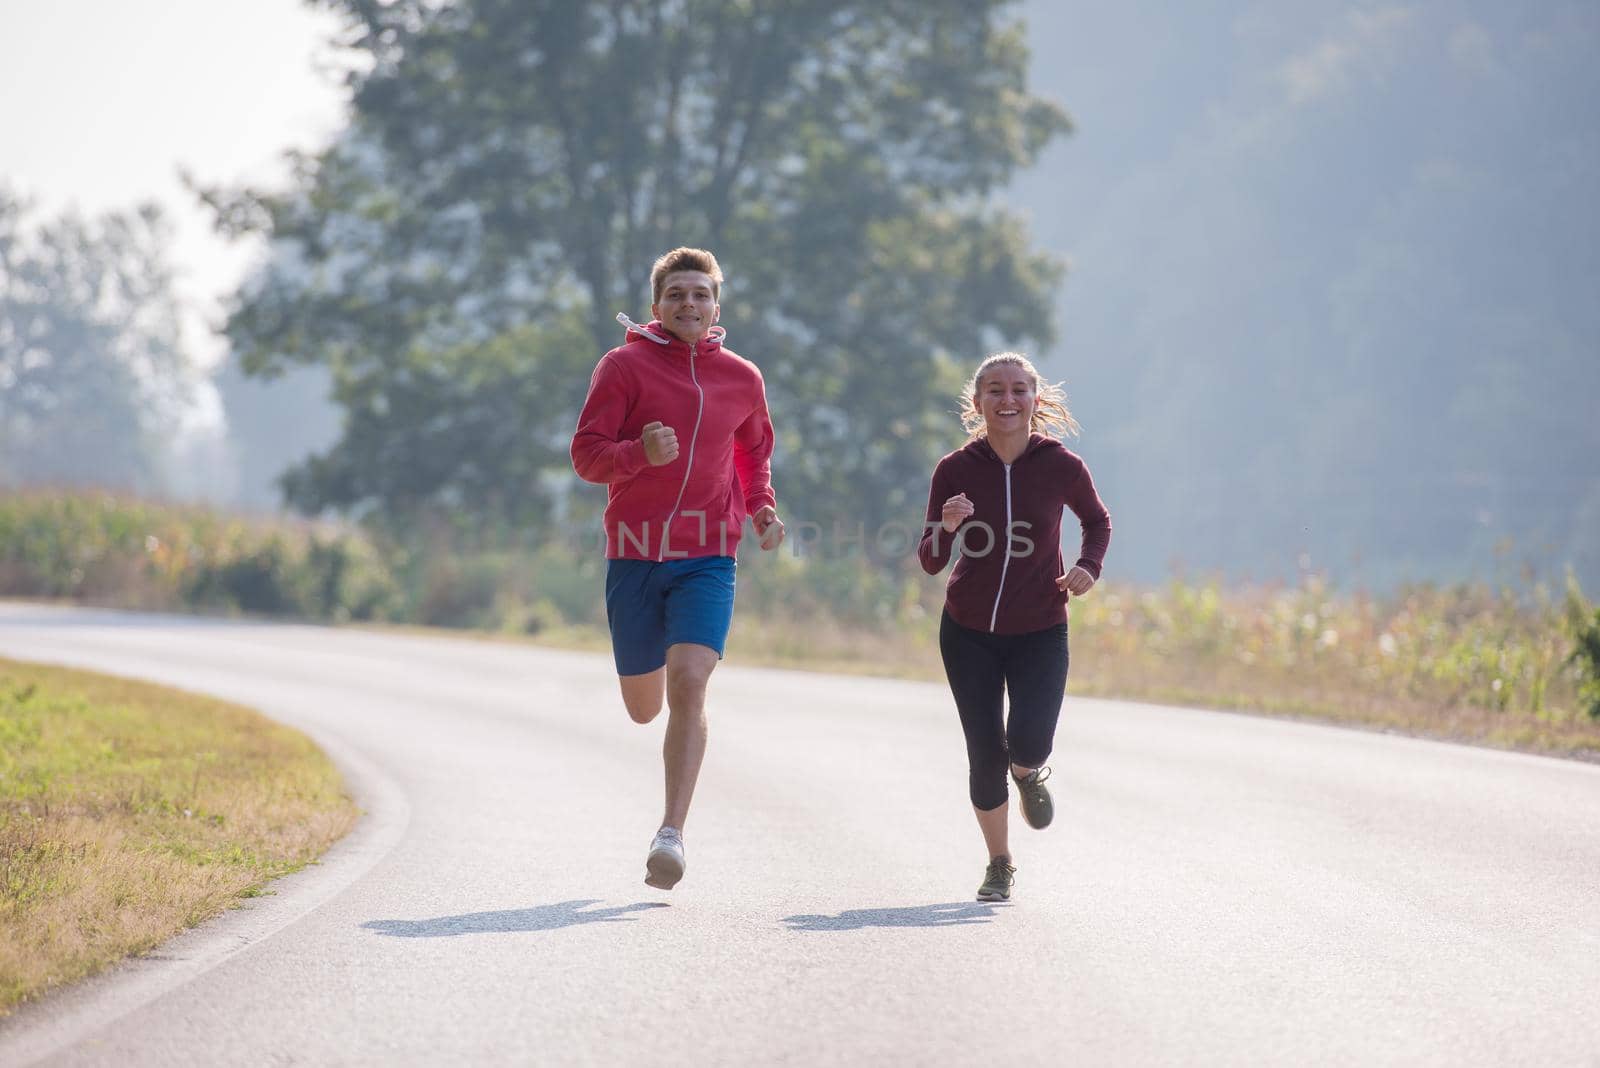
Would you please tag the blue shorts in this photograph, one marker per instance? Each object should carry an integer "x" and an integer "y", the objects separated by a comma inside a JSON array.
[{"x": 652, "y": 605}]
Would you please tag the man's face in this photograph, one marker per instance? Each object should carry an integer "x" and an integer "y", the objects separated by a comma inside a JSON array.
[{"x": 686, "y": 306}]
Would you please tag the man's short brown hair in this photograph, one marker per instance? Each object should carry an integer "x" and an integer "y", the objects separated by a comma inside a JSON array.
[{"x": 685, "y": 259}]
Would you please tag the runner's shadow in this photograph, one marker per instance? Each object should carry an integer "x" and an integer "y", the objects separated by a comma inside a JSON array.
[
  {"x": 953, "y": 914},
  {"x": 540, "y": 918}
]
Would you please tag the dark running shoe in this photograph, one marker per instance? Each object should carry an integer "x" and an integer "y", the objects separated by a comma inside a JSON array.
[
  {"x": 1037, "y": 808},
  {"x": 997, "y": 880}
]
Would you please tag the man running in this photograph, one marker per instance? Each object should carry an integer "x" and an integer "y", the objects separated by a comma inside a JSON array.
[{"x": 677, "y": 428}]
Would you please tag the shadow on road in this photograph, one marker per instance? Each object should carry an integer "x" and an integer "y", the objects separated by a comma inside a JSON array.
[
  {"x": 541, "y": 918},
  {"x": 953, "y": 914}
]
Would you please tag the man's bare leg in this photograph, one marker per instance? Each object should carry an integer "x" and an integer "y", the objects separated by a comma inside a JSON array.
[
  {"x": 688, "y": 669},
  {"x": 643, "y": 694}
]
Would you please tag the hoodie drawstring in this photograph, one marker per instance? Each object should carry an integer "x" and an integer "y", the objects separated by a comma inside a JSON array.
[{"x": 629, "y": 324}]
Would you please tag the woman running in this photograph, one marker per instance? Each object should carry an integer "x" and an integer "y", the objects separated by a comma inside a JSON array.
[{"x": 997, "y": 504}]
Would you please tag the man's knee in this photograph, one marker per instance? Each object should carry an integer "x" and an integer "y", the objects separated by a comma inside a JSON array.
[
  {"x": 642, "y": 696},
  {"x": 689, "y": 669},
  {"x": 643, "y": 710},
  {"x": 687, "y": 687}
]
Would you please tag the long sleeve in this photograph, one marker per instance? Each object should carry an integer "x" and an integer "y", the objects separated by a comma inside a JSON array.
[
  {"x": 752, "y": 456},
  {"x": 1095, "y": 520},
  {"x": 600, "y": 452},
  {"x": 938, "y": 544}
]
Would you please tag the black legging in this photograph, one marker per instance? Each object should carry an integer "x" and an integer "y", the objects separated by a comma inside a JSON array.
[{"x": 982, "y": 669}]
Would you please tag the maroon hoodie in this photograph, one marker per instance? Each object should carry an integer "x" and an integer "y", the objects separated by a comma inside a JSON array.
[{"x": 1008, "y": 585}]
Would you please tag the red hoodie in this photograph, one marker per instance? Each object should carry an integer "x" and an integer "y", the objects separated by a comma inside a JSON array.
[
  {"x": 716, "y": 401},
  {"x": 1008, "y": 585}
]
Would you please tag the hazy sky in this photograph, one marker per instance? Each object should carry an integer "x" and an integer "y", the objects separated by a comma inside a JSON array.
[{"x": 103, "y": 101}]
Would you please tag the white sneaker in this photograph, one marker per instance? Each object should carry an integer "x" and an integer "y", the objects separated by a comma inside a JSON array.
[{"x": 664, "y": 866}]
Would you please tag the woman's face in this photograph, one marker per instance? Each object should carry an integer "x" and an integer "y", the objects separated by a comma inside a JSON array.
[{"x": 1006, "y": 399}]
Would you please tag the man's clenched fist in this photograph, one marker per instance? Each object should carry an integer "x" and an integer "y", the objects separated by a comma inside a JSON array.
[
  {"x": 660, "y": 444},
  {"x": 768, "y": 527}
]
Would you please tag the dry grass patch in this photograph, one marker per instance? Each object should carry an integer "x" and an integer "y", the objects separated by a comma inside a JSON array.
[
  {"x": 1466, "y": 666},
  {"x": 129, "y": 812},
  {"x": 1470, "y": 666},
  {"x": 890, "y": 651}
]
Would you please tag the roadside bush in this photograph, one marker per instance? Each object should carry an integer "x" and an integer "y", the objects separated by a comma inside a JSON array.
[
  {"x": 1584, "y": 623},
  {"x": 105, "y": 549}
]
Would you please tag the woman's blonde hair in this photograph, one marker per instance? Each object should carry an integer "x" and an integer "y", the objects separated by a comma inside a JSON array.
[{"x": 1050, "y": 413}]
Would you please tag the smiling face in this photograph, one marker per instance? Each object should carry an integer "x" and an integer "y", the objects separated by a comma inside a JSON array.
[
  {"x": 1005, "y": 398},
  {"x": 687, "y": 305}
]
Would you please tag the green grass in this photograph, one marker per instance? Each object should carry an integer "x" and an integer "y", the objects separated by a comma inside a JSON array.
[{"x": 129, "y": 812}]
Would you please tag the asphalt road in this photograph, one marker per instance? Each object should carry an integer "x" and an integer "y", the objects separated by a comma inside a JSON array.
[{"x": 1217, "y": 888}]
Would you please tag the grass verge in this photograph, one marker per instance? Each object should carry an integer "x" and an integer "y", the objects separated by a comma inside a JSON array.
[
  {"x": 129, "y": 812},
  {"x": 1481, "y": 675},
  {"x": 1508, "y": 663}
]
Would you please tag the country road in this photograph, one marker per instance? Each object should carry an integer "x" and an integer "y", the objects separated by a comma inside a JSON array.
[{"x": 1217, "y": 888}]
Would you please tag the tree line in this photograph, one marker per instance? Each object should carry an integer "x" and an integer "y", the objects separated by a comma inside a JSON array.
[
  {"x": 453, "y": 261},
  {"x": 510, "y": 170}
]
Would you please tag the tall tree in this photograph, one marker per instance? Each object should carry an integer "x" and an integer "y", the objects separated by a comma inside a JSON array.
[
  {"x": 93, "y": 375},
  {"x": 510, "y": 163}
]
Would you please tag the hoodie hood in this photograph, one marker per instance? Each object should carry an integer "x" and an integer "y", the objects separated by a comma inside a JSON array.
[
  {"x": 656, "y": 332},
  {"x": 1036, "y": 442}
]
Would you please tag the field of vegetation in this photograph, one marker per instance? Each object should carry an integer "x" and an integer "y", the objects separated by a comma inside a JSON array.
[{"x": 1512, "y": 666}]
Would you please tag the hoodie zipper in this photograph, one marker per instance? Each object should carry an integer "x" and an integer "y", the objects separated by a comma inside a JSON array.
[
  {"x": 688, "y": 465},
  {"x": 1005, "y": 561}
]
